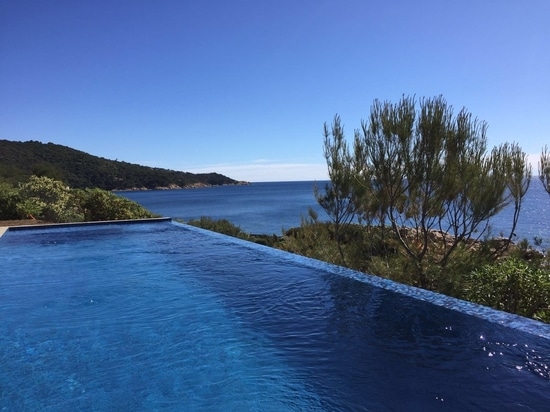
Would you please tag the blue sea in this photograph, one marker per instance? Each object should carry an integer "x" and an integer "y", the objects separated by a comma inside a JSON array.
[{"x": 272, "y": 207}]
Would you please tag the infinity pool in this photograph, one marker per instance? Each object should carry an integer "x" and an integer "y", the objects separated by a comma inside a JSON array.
[{"x": 163, "y": 316}]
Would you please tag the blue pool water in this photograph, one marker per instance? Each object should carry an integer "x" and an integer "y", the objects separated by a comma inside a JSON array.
[{"x": 162, "y": 316}]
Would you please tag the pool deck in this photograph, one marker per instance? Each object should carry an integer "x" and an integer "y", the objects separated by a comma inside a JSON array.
[{"x": 3, "y": 230}]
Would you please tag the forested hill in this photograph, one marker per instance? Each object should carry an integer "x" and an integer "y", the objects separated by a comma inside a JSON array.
[{"x": 19, "y": 160}]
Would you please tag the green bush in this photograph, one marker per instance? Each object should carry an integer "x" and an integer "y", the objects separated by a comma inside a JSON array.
[
  {"x": 48, "y": 199},
  {"x": 53, "y": 201},
  {"x": 223, "y": 226},
  {"x": 367, "y": 249},
  {"x": 513, "y": 286},
  {"x": 9, "y": 198},
  {"x": 98, "y": 204}
]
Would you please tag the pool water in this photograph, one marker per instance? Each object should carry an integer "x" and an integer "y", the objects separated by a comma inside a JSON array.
[{"x": 163, "y": 316}]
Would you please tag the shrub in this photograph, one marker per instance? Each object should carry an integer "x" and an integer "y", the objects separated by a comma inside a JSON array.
[
  {"x": 223, "y": 226},
  {"x": 513, "y": 286},
  {"x": 9, "y": 198},
  {"x": 51, "y": 200},
  {"x": 98, "y": 204},
  {"x": 48, "y": 199}
]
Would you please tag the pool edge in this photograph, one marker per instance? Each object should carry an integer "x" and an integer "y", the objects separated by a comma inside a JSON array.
[{"x": 5, "y": 229}]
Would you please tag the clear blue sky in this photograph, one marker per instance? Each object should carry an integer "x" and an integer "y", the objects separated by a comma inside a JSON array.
[{"x": 243, "y": 87}]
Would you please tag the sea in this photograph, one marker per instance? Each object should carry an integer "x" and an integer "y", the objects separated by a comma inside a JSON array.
[{"x": 272, "y": 207}]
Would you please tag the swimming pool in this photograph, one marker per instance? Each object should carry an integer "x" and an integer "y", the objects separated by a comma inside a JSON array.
[{"x": 160, "y": 315}]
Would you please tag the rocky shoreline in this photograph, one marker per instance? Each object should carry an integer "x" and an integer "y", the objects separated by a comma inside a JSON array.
[{"x": 198, "y": 185}]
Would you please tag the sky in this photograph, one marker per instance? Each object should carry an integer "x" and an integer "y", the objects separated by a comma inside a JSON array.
[{"x": 243, "y": 87}]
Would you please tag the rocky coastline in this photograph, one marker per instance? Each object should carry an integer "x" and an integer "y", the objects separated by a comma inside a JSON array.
[{"x": 198, "y": 185}]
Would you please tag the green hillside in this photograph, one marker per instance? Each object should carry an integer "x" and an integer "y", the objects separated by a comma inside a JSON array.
[{"x": 19, "y": 160}]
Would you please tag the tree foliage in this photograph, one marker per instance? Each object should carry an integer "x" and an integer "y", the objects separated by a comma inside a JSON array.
[
  {"x": 337, "y": 197},
  {"x": 518, "y": 172},
  {"x": 544, "y": 169},
  {"x": 418, "y": 165}
]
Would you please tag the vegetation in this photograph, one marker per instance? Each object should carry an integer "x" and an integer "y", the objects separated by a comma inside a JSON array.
[
  {"x": 225, "y": 227},
  {"x": 338, "y": 198},
  {"x": 419, "y": 166},
  {"x": 544, "y": 169},
  {"x": 50, "y": 200},
  {"x": 98, "y": 204},
  {"x": 9, "y": 200},
  {"x": 512, "y": 285},
  {"x": 20, "y": 160}
]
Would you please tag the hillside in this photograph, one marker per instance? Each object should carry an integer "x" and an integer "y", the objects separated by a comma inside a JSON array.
[{"x": 19, "y": 160}]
